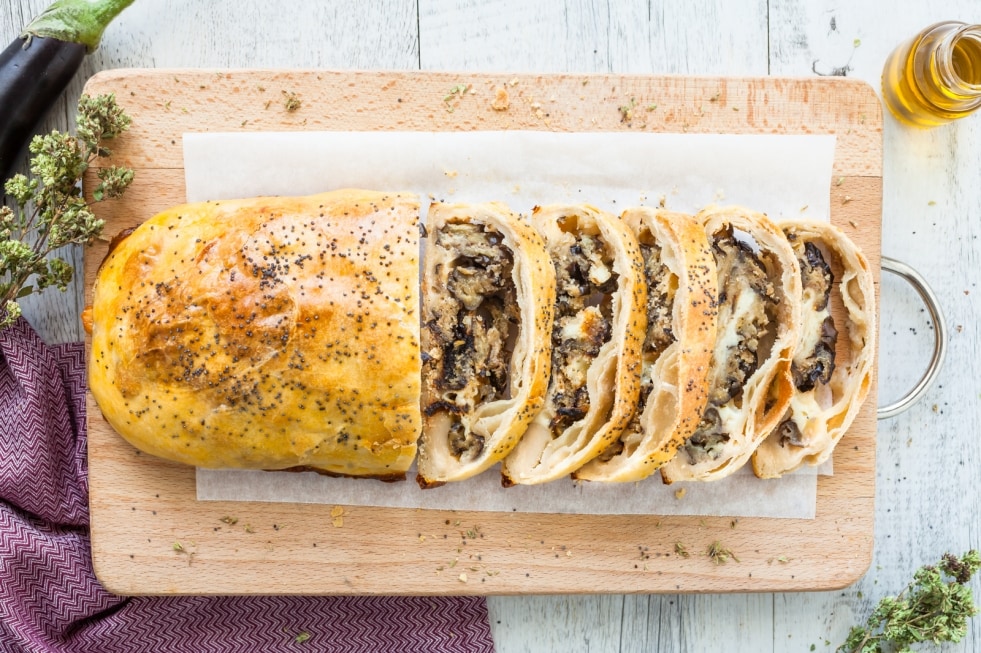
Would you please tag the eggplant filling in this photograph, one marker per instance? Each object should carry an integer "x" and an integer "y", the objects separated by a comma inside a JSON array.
[
  {"x": 584, "y": 281},
  {"x": 814, "y": 360},
  {"x": 661, "y": 285},
  {"x": 746, "y": 313},
  {"x": 471, "y": 327}
]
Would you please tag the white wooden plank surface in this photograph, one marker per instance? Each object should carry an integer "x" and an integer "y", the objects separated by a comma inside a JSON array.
[{"x": 929, "y": 485}]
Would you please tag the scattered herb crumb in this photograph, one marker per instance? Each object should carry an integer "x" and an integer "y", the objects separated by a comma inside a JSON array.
[
  {"x": 455, "y": 92},
  {"x": 459, "y": 89},
  {"x": 231, "y": 521},
  {"x": 680, "y": 549},
  {"x": 291, "y": 101},
  {"x": 856, "y": 43},
  {"x": 720, "y": 554},
  {"x": 627, "y": 111},
  {"x": 680, "y": 493},
  {"x": 302, "y": 637},
  {"x": 839, "y": 181},
  {"x": 931, "y": 203},
  {"x": 182, "y": 550}
]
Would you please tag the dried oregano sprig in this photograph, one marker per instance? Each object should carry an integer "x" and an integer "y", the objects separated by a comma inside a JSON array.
[
  {"x": 49, "y": 211},
  {"x": 935, "y": 607}
]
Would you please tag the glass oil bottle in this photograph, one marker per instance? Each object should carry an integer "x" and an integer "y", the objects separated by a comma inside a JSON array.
[{"x": 935, "y": 77}]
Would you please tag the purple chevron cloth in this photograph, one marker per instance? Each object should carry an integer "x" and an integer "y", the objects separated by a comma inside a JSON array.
[{"x": 51, "y": 601}]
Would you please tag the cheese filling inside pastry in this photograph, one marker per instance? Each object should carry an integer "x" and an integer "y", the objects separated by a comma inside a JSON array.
[
  {"x": 582, "y": 326},
  {"x": 832, "y": 367},
  {"x": 814, "y": 360},
  {"x": 596, "y": 340},
  {"x": 488, "y": 291},
  {"x": 681, "y": 310},
  {"x": 662, "y": 287},
  {"x": 746, "y": 317},
  {"x": 749, "y": 381},
  {"x": 470, "y": 327}
]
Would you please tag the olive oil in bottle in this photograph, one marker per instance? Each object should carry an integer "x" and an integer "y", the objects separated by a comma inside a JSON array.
[{"x": 935, "y": 77}]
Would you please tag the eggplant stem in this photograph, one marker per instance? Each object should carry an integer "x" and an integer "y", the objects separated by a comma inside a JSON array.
[{"x": 76, "y": 21}]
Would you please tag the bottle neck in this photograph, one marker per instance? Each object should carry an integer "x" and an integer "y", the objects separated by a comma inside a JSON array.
[{"x": 958, "y": 61}]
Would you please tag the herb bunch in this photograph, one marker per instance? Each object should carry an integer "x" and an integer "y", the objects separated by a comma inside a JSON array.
[
  {"x": 49, "y": 211},
  {"x": 934, "y": 607}
]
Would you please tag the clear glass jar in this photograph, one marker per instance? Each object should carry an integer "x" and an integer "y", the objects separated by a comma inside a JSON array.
[{"x": 935, "y": 77}]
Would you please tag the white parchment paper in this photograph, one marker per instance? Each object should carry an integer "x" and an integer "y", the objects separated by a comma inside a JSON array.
[{"x": 785, "y": 176}]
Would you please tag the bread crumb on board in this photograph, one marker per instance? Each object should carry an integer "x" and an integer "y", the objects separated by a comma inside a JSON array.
[
  {"x": 337, "y": 516},
  {"x": 502, "y": 101}
]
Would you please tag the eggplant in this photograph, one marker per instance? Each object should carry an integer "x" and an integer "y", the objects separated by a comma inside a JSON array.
[{"x": 37, "y": 66}]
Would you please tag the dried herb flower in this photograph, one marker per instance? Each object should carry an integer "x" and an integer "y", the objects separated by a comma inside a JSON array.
[
  {"x": 49, "y": 211},
  {"x": 934, "y": 607}
]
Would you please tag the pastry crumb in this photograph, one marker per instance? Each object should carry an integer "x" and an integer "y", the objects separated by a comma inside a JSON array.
[{"x": 502, "y": 101}]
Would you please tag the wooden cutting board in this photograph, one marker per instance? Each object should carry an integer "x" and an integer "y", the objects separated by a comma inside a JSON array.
[{"x": 150, "y": 536}]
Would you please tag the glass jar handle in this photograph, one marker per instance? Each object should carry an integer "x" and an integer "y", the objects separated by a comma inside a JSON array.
[{"x": 923, "y": 289}]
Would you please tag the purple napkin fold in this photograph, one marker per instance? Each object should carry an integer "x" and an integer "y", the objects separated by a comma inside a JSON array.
[{"x": 51, "y": 601}]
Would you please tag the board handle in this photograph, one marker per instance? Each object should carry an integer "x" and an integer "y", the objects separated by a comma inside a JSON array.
[{"x": 915, "y": 279}]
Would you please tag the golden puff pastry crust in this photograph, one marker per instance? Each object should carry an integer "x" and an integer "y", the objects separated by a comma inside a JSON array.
[
  {"x": 600, "y": 322},
  {"x": 682, "y": 287},
  {"x": 488, "y": 295},
  {"x": 266, "y": 333},
  {"x": 832, "y": 367},
  {"x": 749, "y": 382}
]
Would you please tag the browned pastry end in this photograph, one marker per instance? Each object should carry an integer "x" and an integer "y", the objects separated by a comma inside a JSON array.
[{"x": 266, "y": 333}]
